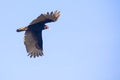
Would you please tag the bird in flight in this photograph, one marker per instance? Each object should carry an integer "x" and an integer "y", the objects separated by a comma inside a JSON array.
[{"x": 33, "y": 33}]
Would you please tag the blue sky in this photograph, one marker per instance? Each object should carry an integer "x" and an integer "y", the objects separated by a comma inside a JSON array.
[{"x": 84, "y": 44}]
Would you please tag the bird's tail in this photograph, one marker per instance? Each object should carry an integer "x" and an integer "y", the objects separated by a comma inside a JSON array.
[{"x": 22, "y": 29}]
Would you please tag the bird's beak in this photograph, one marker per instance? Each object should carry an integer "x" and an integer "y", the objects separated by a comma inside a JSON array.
[{"x": 46, "y": 27}]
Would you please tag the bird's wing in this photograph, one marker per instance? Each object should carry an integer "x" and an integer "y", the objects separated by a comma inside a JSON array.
[
  {"x": 45, "y": 18},
  {"x": 31, "y": 42}
]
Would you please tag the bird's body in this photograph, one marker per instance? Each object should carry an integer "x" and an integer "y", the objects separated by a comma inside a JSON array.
[{"x": 33, "y": 33}]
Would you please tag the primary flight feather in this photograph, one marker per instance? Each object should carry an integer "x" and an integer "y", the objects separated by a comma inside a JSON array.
[{"x": 33, "y": 33}]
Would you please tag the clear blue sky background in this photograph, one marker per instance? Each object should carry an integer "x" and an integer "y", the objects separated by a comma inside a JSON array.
[{"x": 84, "y": 44}]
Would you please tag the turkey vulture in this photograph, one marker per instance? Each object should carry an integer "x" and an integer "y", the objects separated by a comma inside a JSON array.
[{"x": 33, "y": 33}]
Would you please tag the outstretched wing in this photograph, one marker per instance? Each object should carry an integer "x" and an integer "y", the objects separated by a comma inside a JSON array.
[
  {"x": 33, "y": 44},
  {"x": 45, "y": 18}
]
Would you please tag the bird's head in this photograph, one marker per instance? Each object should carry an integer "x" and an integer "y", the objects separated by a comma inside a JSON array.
[{"x": 46, "y": 27}]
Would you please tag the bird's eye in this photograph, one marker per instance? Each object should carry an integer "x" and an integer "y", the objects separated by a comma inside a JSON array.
[{"x": 46, "y": 27}]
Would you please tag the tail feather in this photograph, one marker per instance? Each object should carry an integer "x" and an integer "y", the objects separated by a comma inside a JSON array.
[{"x": 22, "y": 29}]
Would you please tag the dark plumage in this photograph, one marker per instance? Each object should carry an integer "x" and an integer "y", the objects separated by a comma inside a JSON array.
[{"x": 33, "y": 33}]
